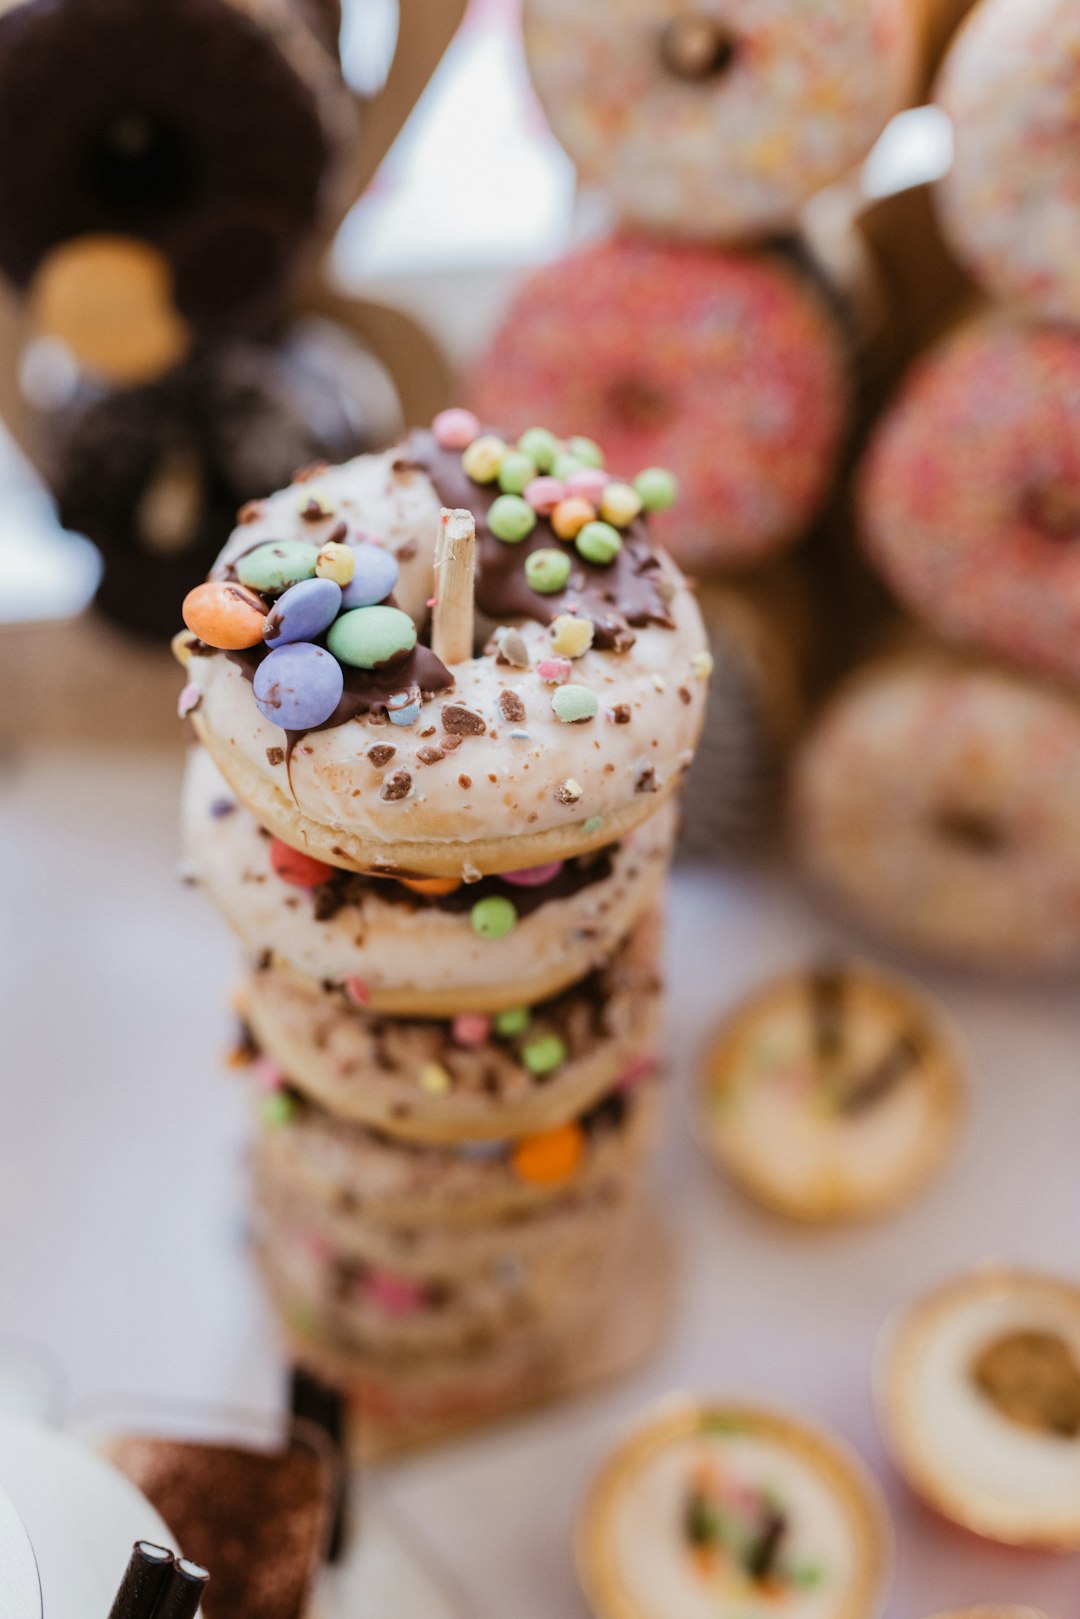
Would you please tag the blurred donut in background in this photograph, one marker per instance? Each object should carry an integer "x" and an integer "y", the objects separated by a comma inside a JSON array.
[
  {"x": 970, "y": 492},
  {"x": 717, "y": 120},
  {"x": 729, "y": 369},
  {"x": 940, "y": 802},
  {"x": 154, "y": 476},
  {"x": 1011, "y": 201}
]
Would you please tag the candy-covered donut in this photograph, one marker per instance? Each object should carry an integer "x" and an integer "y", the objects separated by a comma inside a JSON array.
[
  {"x": 478, "y": 947},
  {"x": 970, "y": 498},
  {"x": 346, "y": 735},
  {"x": 728, "y": 368},
  {"x": 1011, "y": 200},
  {"x": 718, "y": 119},
  {"x": 941, "y": 801}
]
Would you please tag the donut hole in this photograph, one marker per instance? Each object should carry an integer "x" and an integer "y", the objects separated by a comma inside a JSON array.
[
  {"x": 697, "y": 48},
  {"x": 975, "y": 831},
  {"x": 138, "y": 162},
  {"x": 640, "y": 405},
  {"x": 1053, "y": 509}
]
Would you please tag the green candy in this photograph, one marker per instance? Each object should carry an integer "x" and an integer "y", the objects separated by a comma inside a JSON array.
[
  {"x": 544, "y": 1054},
  {"x": 547, "y": 571},
  {"x": 658, "y": 489},
  {"x": 586, "y": 450},
  {"x": 515, "y": 471},
  {"x": 540, "y": 446},
  {"x": 278, "y": 564},
  {"x": 493, "y": 918},
  {"x": 277, "y": 1110},
  {"x": 512, "y": 1022},
  {"x": 573, "y": 704},
  {"x": 511, "y": 519},
  {"x": 566, "y": 465},
  {"x": 371, "y": 637},
  {"x": 599, "y": 543}
]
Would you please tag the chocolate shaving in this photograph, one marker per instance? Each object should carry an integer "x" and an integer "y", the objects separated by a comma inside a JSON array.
[
  {"x": 646, "y": 780},
  {"x": 275, "y": 756},
  {"x": 430, "y": 756},
  {"x": 462, "y": 721},
  {"x": 621, "y": 714},
  {"x": 397, "y": 786},
  {"x": 511, "y": 707},
  {"x": 381, "y": 754}
]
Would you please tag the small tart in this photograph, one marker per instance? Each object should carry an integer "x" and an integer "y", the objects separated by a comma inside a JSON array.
[
  {"x": 716, "y": 1510},
  {"x": 832, "y": 1094},
  {"x": 979, "y": 1398}
]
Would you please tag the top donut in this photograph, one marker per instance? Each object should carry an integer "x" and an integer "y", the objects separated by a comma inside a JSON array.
[
  {"x": 313, "y": 684},
  {"x": 717, "y": 120}
]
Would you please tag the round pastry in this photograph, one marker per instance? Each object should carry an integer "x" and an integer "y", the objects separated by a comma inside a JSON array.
[
  {"x": 979, "y": 1397},
  {"x": 401, "y": 951},
  {"x": 728, "y": 368},
  {"x": 155, "y": 475},
  {"x": 941, "y": 801},
  {"x": 359, "y": 745},
  {"x": 729, "y": 1510},
  {"x": 718, "y": 120},
  {"x": 1011, "y": 200},
  {"x": 970, "y": 496},
  {"x": 523, "y": 1072},
  {"x": 832, "y": 1094},
  {"x": 209, "y": 130}
]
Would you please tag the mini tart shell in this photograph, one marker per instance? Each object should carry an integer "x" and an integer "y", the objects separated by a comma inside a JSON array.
[
  {"x": 836, "y": 1201},
  {"x": 904, "y": 1338},
  {"x": 598, "y": 1572}
]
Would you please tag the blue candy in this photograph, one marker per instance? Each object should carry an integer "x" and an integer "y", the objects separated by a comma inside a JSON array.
[
  {"x": 375, "y": 577},
  {"x": 298, "y": 686},
  {"x": 303, "y": 612}
]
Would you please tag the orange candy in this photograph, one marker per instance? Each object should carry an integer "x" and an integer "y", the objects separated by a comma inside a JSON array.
[
  {"x": 296, "y": 868},
  {"x": 571, "y": 515},
  {"x": 224, "y": 615},
  {"x": 433, "y": 887},
  {"x": 551, "y": 1157}
]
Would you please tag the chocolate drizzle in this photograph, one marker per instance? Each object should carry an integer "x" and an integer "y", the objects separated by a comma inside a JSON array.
[
  {"x": 627, "y": 592},
  {"x": 349, "y": 888}
]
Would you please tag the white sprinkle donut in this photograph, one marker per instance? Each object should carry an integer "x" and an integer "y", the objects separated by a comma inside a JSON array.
[
  {"x": 406, "y": 953},
  {"x": 941, "y": 801},
  {"x": 421, "y": 770},
  {"x": 718, "y": 119},
  {"x": 1011, "y": 201}
]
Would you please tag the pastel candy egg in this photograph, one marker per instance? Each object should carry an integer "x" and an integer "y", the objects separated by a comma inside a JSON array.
[
  {"x": 303, "y": 612},
  {"x": 514, "y": 1021},
  {"x": 224, "y": 615},
  {"x": 336, "y": 561},
  {"x": 455, "y": 429},
  {"x": 571, "y": 515},
  {"x": 394, "y": 1295},
  {"x": 511, "y": 519},
  {"x": 540, "y": 446},
  {"x": 483, "y": 458},
  {"x": 621, "y": 503},
  {"x": 298, "y": 686},
  {"x": 533, "y": 876},
  {"x": 515, "y": 471},
  {"x": 566, "y": 465},
  {"x": 548, "y": 571},
  {"x": 590, "y": 482},
  {"x": 296, "y": 868},
  {"x": 277, "y": 565},
  {"x": 551, "y": 1157},
  {"x": 599, "y": 543},
  {"x": 544, "y": 1054},
  {"x": 372, "y": 637},
  {"x": 658, "y": 489},
  {"x": 493, "y": 918},
  {"x": 544, "y": 494},
  {"x": 571, "y": 637},
  {"x": 375, "y": 576},
  {"x": 470, "y": 1029},
  {"x": 587, "y": 451},
  {"x": 575, "y": 704}
]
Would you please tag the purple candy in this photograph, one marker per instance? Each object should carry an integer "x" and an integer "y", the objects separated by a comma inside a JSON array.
[
  {"x": 298, "y": 686},
  {"x": 302, "y": 612},
  {"x": 375, "y": 577}
]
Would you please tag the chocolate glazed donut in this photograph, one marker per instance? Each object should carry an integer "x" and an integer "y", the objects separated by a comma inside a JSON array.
[{"x": 209, "y": 129}]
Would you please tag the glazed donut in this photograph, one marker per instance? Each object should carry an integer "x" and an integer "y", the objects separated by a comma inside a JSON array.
[
  {"x": 409, "y": 953},
  {"x": 941, "y": 802},
  {"x": 213, "y": 130},
  {"x": 970, "y": 494},
  {"x": 571, "y": 726},
  {"x": 730, "y": 369},
  {"x": 470, "y": 1078},
  {"x": 1011, "y": 200},
  {"x": 719, "y": 119}
]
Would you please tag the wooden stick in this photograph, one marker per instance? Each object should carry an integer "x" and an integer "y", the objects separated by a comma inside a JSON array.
[{"x": 455, "y": 564}]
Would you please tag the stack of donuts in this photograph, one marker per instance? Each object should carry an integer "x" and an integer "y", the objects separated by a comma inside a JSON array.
[
  {"x": 170, "y": 178},
  {"x": 445, "y": 697},
  {"x": 939, "y": 794},
  {"x": 700, "y": 332}
]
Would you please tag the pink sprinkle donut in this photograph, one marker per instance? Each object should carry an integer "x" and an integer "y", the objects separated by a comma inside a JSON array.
[
  {"x": 728, "y": 369},
  {"x": 941, "y": 802},
  {"x": 718, "y": 119},
  {"x": 970, "y": 497},
  {"x": 1011, "y": 202}
]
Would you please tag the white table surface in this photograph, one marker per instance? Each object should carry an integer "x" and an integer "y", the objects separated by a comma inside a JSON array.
[{"x": 122, "y": 1205}]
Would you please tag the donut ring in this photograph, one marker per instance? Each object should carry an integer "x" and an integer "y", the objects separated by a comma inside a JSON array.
[
  {"x": 727, "y": 368},
  {"x": 718, "y": 119},
  {"x": 1011, "y": 201},
  {"x": 970, "y": 494},
  {"x": 940, "y": 801},
  {"x": 402, "y": 953},
  {"x": 486, "y": 748}
]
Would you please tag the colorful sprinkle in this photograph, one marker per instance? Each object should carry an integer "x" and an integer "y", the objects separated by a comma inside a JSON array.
[
  {"x": 544, "y": 1054},
  {"x": 483, "y": 458},
  {"x": 432, "y": 887},
  {"x": 224, "y": 615},
  {"x": 511, "y": 519},
  {"x": 493, "y": 917},
  {"x": 393, "y": 1294},
  {"x": 357, "y": 991},
  {"x": 571, "y": 636},
  {"x": 514, "y": 1021},
  {"x": 455, "y": 429},
  {"x": 533, "y": 876},
  {"x": 548, "y": 571},
  {"x": 190, "y": 698},
  {"x": 575, "y": 704},
  {"x": 543, "y": 1160},
  {"x": 554, "y": 671},
  {"x": 593, "y": 824},
  {"x": 470, "y": 1029},
  {"x": 599, "y": 543},
  {"x": 702, "y": 665},
  {"x": 278, "y": 1110},
  {"x": 434, "y": 1079},
  {"x": 277, "y": 565}
]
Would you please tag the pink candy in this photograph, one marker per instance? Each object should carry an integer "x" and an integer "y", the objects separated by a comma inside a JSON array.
[
  {"x": 357, "y": 991},
  {"x": 555, "y": 671},
  {"x": 267, "y": 1075},
  {"x": 533, "y": 876},
  {"x": 544, "y": 494},
  {"x": 394, "y": 1294},
  {"x": 638, "y": 1071},
  {"x": 455, "y": 429},
  {"x": 471, "y": 1029},
  {"x": 590, "y": 482}
]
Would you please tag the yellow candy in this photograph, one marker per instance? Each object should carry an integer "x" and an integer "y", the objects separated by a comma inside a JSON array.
[
  {"x": 571, "y": 515},
  {"x": 180, "y": 646},
  {"x": 620, "y": 504},
  {"x": 336, "y": 561},
  {"x": 702, "y": 665},
  {"x": 571, "y": 637},
  {"x": 554, "y": 1156},
  {"x": 225, "y": 615},
  {"x": 434, "y": 1080},
  {"x": 483, "y": 458}
]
